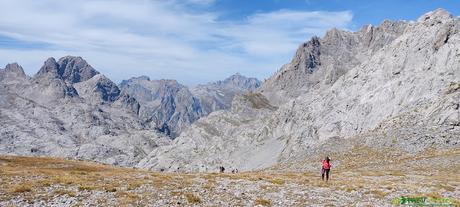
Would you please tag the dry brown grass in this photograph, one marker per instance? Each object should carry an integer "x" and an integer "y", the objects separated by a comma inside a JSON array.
[
  {"x": 110, "y": 189},
  {"x": 87, "y": 188},
  {"x": 21, "y": 188},
  {"x": 378, "y": 193},
  {"x": 78, "y": 179},
  {"x": 127, "y": 198},
  {"x": 46, "y": 172},
  {"x": 133, "y": 185},
  {"x": 434, "y": 195},
  {"x": 448, "y": 188},
  {"x": 192, "y": 198},
  {"x": 277, "y": 181},
  {"x": 350, "y": 189},
  {"x": 211, "y": 183},
  {"x": 44, "y": 183},
  {"x": 262, "y": 202},
  {"x": 64, "y": 192},
  {"x": 176, "y": 193}
]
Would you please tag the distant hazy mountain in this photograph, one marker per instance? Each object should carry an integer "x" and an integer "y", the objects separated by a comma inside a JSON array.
[
  {"x": 171, "y": 107},
  {"x": 219, "y": 95}
]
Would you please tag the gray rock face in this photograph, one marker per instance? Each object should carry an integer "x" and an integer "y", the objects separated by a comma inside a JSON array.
[
  {"x": 238, "y": 81},
  {"x": 321, "y": 61},
  {"x": 70, "y": 69},
  {"x": 70, "y": 110},
  {"x": 97, "y": 89},
  {"x": 395, "y": 87},
  {"x": 14, "y": 70},
  {"x": 49, "y": 69},
  {"x": 13, "y": 73},
  {"x": 219, "y": 95},
  {"x": 172, "y": 107},
  {"x": 49, "y": 84},
  {"x": 166, "y": 104}
]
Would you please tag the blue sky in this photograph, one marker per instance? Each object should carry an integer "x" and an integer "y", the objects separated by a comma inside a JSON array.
[{"x": 193, "y": 41}]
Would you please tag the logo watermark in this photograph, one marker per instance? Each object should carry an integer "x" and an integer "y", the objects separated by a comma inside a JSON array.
[{"x": 423, "y": 201}]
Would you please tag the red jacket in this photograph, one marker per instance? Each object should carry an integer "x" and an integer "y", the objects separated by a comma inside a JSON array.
[{"x": 326, "y": 165}]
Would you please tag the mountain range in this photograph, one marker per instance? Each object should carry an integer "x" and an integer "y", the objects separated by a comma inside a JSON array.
[
  {"x": 171, "y": 107},
  {"x": 68, "y": 109},
  {"x": 392, "y": 88}
]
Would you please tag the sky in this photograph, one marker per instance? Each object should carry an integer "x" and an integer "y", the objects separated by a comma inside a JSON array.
[{"x": 192, "y": 41}]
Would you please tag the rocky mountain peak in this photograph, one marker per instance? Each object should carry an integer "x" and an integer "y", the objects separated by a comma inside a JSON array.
[
  {"x": 49, "y": 68},
  {"x": 307, "y": 57},
  {"x": 333, "y": 34},
  {"x": 15, "y": 68},
  {"x": 70, "y": 69},
  {"x": 319, "y": 62},
  {"x": 438, "y": 15},
  {"x": 166, "y": 104},
  {"x": 75, "y": 69},
  {"x": 240, "y": 82},
  {"x": 46, "y": 116},
  {"x": 13, "y": 73},
  {"x": 171, "y": 106},
  {"x": 143, "y": 77}
]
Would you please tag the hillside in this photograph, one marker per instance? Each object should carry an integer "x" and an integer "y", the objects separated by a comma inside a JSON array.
[{"x": 27, "y": 181}]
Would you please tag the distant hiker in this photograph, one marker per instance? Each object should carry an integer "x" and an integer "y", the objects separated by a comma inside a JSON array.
[
  {"x": 222, "y": 169},
  {"x": 326, "y": 168}
]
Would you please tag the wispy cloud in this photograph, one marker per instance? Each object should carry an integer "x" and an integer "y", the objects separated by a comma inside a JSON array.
[{"x": 163, "y": 39}]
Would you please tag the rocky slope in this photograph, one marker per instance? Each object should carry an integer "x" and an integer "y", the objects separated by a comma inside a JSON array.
[
  {"x": 172, "y": 107},
  {"x": 68, "y": 109},
  {"x": 391, "y": 87}
]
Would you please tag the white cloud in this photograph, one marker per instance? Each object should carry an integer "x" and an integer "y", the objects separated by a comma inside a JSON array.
[
  {"x": 161, "y": 39},
  {"x": 281, "y": 31}
]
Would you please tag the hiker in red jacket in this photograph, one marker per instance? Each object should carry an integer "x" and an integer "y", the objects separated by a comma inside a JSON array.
[{"x": 326, "y": 168}]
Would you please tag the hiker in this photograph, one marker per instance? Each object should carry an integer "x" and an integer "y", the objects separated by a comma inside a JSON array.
[
  {"x": 326, "y": 168},
  {"x": 222, "y": 169}
]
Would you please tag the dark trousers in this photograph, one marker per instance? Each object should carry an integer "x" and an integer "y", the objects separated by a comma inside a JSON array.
[{"x": 325, "y": 171}]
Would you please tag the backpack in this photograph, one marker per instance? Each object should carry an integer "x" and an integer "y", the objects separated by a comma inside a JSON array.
[{"x": 326, "y": 165}]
